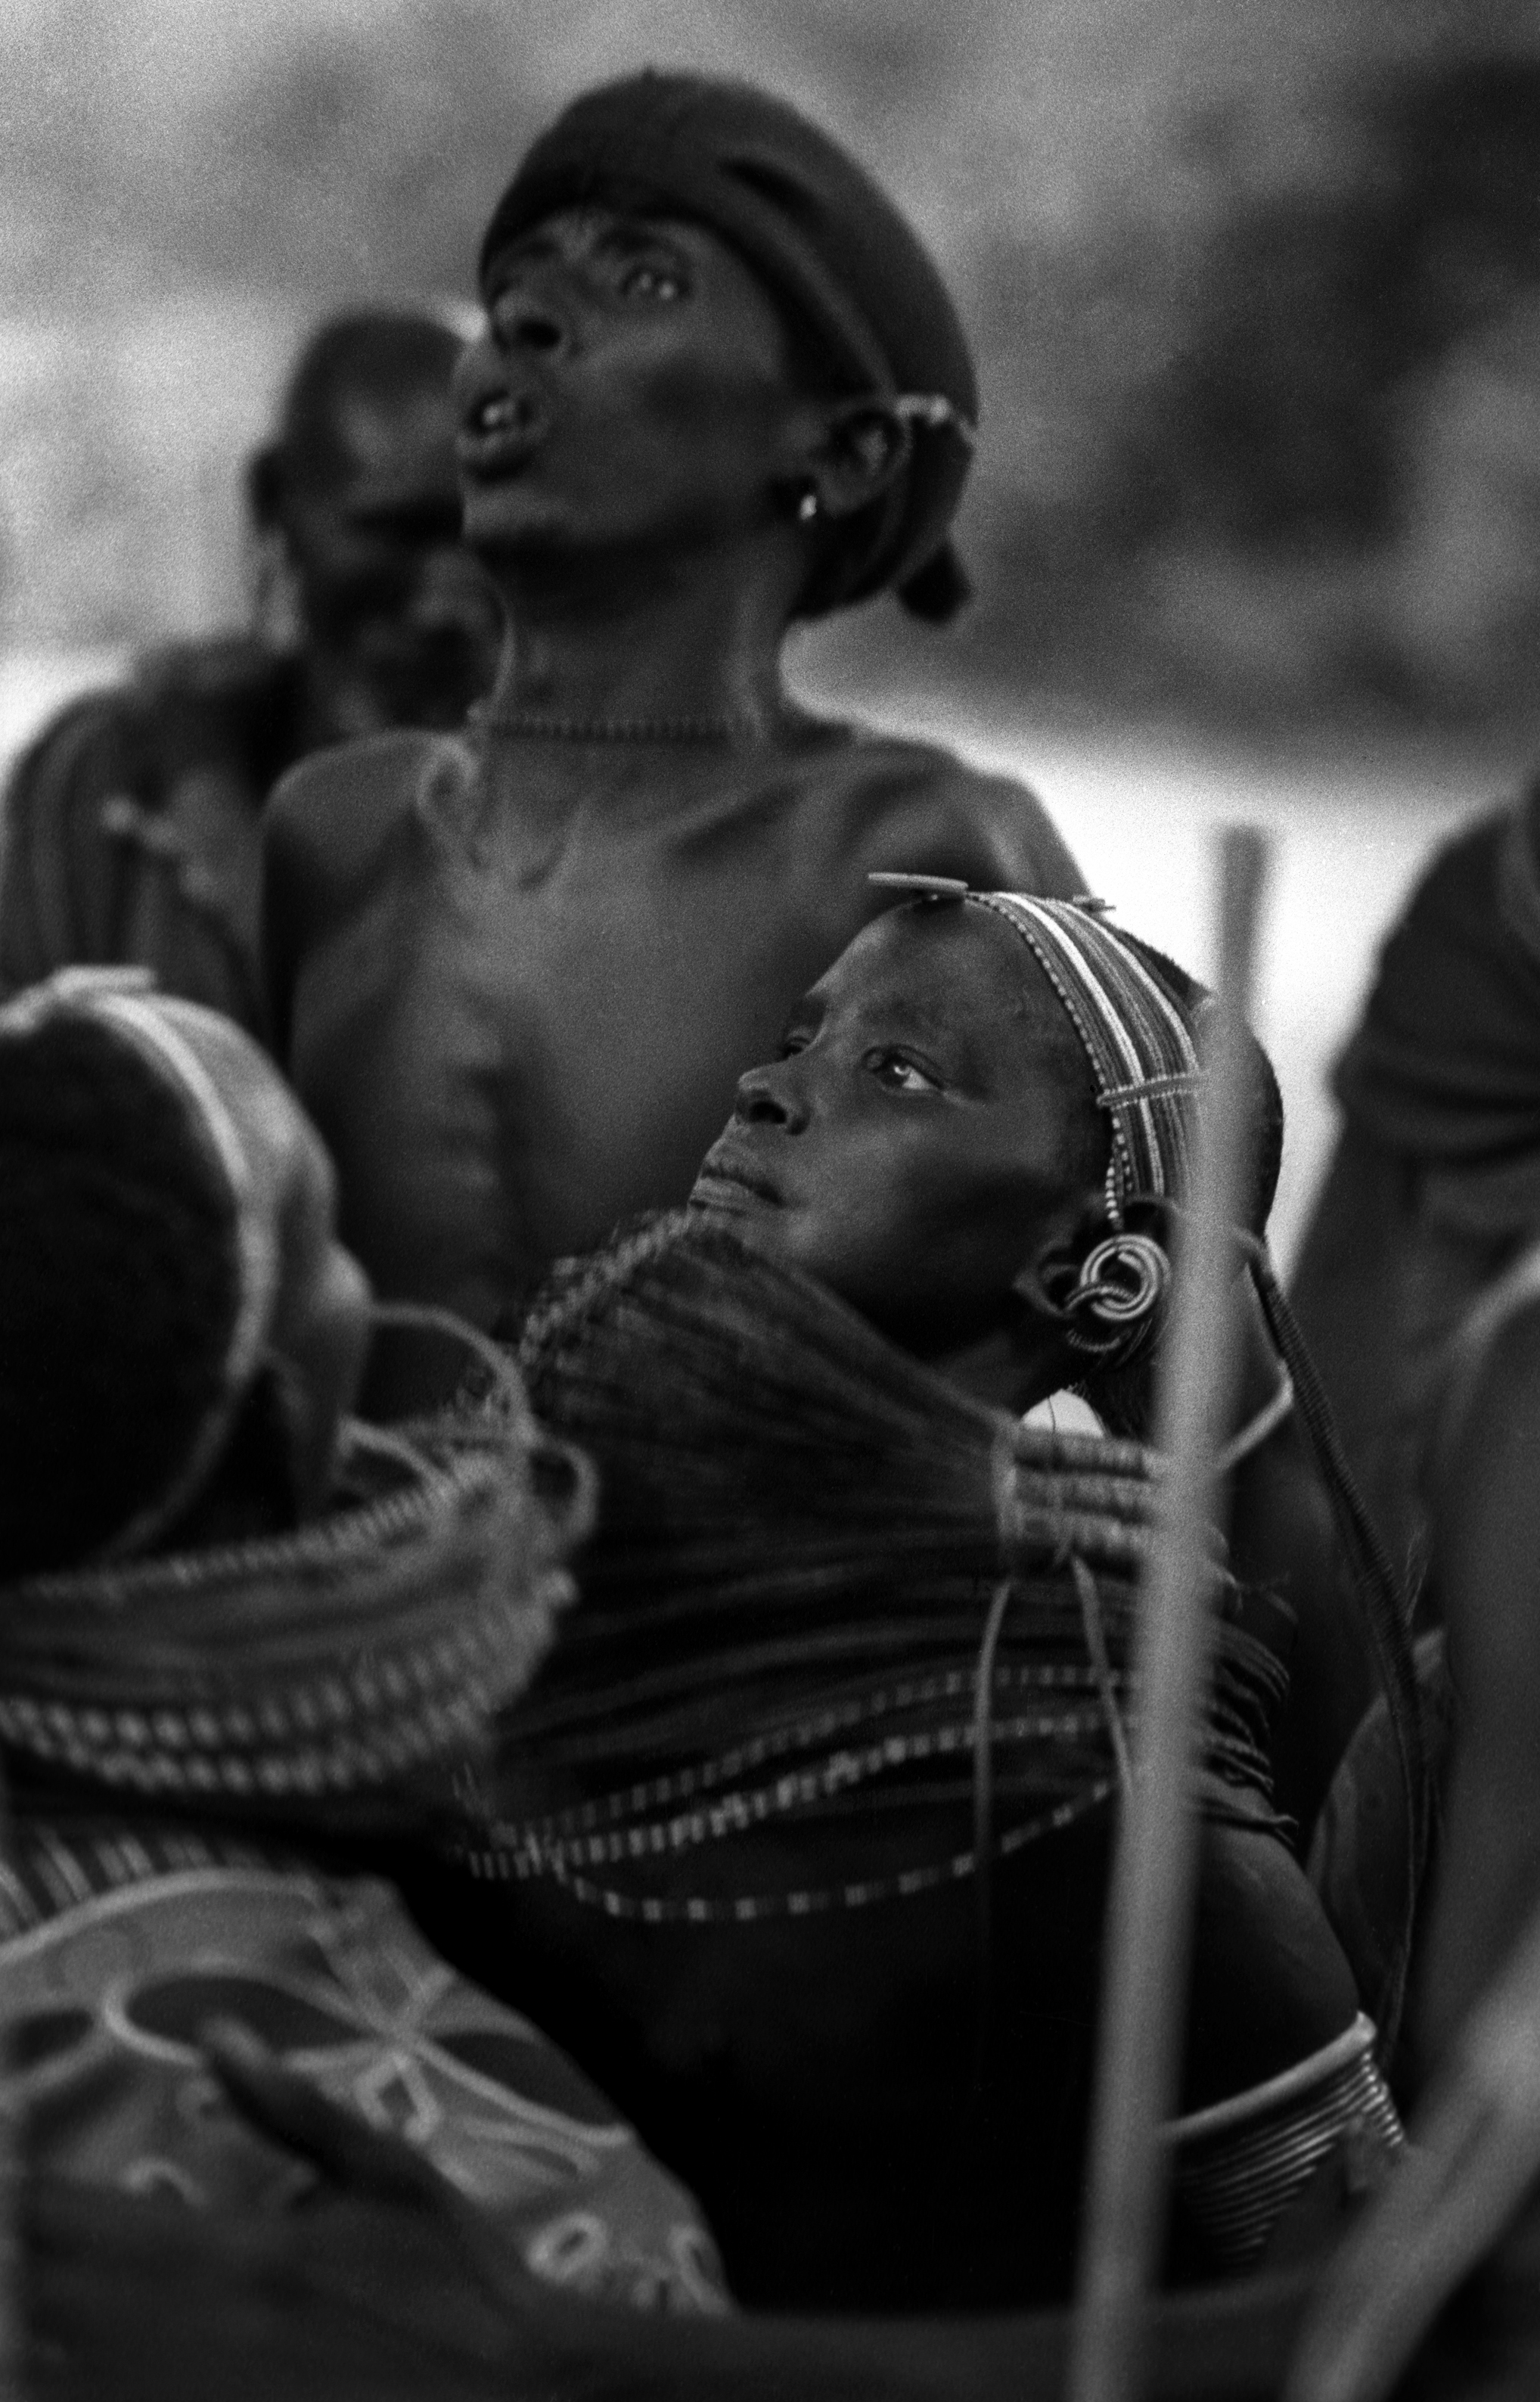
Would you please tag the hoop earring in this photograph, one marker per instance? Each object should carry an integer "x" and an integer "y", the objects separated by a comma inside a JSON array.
[{"x": 1116, "y": 1299}]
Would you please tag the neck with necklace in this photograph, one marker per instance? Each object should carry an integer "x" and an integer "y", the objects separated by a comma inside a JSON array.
[
  {"x": 729, "y": 729},
  {"x": 561, "y": 767},
  {"x": 685, "y": 660}
]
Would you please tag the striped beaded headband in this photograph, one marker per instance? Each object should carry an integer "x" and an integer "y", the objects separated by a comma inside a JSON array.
[
  {"x": 1138, "y": 1039},
  {"x": 124, "y": 1001}
]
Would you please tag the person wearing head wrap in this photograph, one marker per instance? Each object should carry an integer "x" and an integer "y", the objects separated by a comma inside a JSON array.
[
  {"x": 132, "y": 822},
  {"x": 862, "y": 290},
  {"x": 829, "y": 1925},
  {"x": 722, "y": 388},
  {"x": 245, "y": 1637}
]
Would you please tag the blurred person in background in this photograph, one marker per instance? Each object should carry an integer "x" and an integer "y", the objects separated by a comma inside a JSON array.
[
  {"x": 1433, "y": 1189},
  {"x": 516, "y": 974},
  {"x": 131, "y": 829}
]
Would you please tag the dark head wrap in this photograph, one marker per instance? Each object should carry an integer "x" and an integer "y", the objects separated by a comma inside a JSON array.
[{"x": 830, "y": 245}]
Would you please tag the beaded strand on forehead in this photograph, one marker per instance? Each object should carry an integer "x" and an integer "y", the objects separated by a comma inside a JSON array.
[
  {"x": 1139, "y": 1042},
  {"x": 1136, "y": 1036}
]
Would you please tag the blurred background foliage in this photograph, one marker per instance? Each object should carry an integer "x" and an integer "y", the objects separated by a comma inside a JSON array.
[{"x": 1254, "y": 285}]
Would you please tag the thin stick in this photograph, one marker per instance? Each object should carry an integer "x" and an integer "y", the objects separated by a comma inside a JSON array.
[
  {"x": 13, "y": 2377},
  {"x": 1150, "y": 1913}
]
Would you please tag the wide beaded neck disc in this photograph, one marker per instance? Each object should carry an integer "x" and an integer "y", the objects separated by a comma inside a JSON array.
[
  {"x": 274, "y": 1675},
  {"x": 802, "y": 1537}
]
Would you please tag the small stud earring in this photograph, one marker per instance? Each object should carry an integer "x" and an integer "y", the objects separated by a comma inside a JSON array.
[{"x": 808, "y": 508}]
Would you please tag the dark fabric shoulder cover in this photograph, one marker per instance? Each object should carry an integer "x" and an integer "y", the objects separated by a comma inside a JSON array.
[
  {"x": 67, "y": 890},
  {"x": 224, "y": 700},
  {"x": 1446, "y": 1063},
  {"x": 62, "y": 888}
]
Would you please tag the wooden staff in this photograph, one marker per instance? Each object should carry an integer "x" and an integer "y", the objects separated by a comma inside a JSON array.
[
  {"x": 13, "y": 2377},
  {"x": 1149, "y": 1911}
]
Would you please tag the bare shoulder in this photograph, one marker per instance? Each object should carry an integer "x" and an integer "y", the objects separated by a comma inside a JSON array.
[
  {"x": 332, "y": 818},
  {"x": 917, "y": 805}
]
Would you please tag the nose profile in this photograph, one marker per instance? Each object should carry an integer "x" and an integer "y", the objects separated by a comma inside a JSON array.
[
  {"x": 530, "y": 326},
  {"x": 526, "y": 314},
  {"x": 766, "y": 1095}
]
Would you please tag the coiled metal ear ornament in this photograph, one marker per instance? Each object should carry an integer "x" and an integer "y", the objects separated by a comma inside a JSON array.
[{"x": 1115, "y": 1300}]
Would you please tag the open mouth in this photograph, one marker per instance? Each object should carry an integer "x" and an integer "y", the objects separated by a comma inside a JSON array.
[
  {"x": 499, "y": 433},
  {"x": 728, "y": 1180}
]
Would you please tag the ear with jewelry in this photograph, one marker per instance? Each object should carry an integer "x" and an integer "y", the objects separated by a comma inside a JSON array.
[
  {"x": 856, "y": 448},
  {"x": 1112, "y": 1299}
]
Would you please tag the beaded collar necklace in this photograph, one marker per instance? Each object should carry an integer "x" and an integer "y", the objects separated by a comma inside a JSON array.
[{"x": 522, "y": 727}]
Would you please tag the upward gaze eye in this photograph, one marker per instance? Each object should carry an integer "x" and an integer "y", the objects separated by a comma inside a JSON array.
[
  {"x": 652, "y": 281},
  {"x": 900, "y": 1074}
]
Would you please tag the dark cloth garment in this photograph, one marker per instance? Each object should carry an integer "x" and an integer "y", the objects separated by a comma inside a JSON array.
[
  {"x": 1445, "y": 1068},
  {"x": 512, "y": 1040},
  {"x": 1395, "y": 1255},
  {"x": 146, "y": 2303},
  {"x": 823, "y": 235},
  {"x": 130, "y": 834},
  {"x": 1434, "y": 1185},
  {"x": 1358, "y": 1854},
  {"x": 213, "y": 1760},
  {"x": 151, "y": 2304},
  {"x": 140, "y": 1933}
]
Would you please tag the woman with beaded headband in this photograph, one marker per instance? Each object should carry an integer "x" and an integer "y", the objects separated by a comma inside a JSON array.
[
  {"x": 804, "y": 1826},
  {"x": 244, "y": 1637},
  {"x": 1138, "y": 1019},
  {"x": 722, "y": 388}
]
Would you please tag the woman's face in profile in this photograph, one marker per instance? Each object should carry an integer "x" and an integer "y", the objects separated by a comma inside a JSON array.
[{"x": 927, "y": 1130}]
